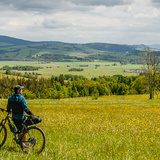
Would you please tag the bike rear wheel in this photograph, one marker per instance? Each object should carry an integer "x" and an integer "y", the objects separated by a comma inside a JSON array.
[
  {"x": 33, "y": 140},
  {"x": 3, "y": 134}
]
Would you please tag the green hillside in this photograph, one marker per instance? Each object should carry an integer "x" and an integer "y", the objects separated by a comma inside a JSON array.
[{"x": 17, "y": 49}]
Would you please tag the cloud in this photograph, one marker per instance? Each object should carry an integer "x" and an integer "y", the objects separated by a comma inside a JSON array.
[
  {"x": 33, "y": 5},
  {"x": 81, "y": 21},
  {"x": 156, "y": 3},
  {"x": 101, "y": 2},
  {"x": 54, "y": 24},
  {"x": 60, "y": 5}
]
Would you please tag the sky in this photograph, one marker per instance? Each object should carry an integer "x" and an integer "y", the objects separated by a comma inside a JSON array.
[{"x": 82, "y": 21}]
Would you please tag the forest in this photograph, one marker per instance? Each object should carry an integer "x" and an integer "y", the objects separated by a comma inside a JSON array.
[{"x": 68, "y": 86}]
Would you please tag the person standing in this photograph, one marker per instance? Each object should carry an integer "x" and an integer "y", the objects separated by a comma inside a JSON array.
[{"x": 17, "y": 105}]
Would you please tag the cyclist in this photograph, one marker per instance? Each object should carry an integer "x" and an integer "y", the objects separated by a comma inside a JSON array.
[{"x": 18, "y": 106}]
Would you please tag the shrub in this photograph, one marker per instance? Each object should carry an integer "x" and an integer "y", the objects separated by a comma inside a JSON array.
[{"x": 95, "y": 94}]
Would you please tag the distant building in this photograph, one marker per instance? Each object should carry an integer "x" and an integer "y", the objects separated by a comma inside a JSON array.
[{"x": 135, "y": 71}]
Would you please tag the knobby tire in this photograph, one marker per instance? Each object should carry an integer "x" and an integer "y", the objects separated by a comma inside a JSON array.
[
  {"x": 3, "y": 134},
  {"x": 35, "y": 140}
]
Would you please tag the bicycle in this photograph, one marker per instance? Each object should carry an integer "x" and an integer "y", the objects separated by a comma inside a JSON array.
[{"x": 31, "y": 139}]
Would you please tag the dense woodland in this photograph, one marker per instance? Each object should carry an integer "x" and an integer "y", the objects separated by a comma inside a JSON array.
[{"x": 68, "y": 86}]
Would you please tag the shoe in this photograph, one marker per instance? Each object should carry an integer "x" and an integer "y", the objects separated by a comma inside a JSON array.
[{"x": 26, "y": 145}]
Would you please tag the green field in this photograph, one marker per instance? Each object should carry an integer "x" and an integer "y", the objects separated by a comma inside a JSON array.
[
  {"x": 57, "y": 68},
  {"x": 112, "y": 127}
]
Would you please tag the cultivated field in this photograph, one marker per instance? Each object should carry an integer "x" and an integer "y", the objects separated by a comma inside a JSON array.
[
  {"x": 57, "y": 68},
  {"x": 112, "y": 127}
]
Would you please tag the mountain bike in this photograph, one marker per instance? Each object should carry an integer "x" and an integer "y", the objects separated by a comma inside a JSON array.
[{"x": 31, "y": 139}]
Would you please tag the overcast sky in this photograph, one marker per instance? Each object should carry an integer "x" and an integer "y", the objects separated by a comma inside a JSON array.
[{"x": 82, "y": 21}]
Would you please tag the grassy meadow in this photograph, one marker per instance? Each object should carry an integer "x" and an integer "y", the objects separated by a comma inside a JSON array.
[
  {"x": 57, "y": 68},
  {"x": 112, "y": 127}
]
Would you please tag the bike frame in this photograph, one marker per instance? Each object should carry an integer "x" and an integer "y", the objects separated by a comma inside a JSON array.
[
  {"x": 15, "y": 132},
  {"x": 20, "y": 136}
]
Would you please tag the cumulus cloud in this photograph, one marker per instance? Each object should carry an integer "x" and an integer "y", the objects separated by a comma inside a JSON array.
[
  {"x": 33, "y": 5},
  {"x": 81, "y": 21},
  {"x": 53, "y": 24},
  {"x": 156, "y": 3},
  {"x": 101, "y": 2},
  {"x": 53, "y": 5}
]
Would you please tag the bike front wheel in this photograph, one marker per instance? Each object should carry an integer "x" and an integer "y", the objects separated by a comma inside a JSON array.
[
  {"x": 3, "y": 134},
  {"x": 33, "y": 140}
]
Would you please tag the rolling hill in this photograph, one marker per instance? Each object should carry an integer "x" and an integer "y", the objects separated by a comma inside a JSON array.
[{"x": 12, "y": 49}]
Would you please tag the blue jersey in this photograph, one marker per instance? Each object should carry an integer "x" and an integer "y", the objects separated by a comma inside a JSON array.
[{"x": 18, "y": 105}]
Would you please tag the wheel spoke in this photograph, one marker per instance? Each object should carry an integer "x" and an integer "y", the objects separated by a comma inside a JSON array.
[{"x": 33, "y": 141}]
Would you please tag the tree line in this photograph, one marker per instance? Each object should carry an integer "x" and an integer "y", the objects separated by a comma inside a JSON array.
[
  {"x": 21, "y": 68},
  {"x": 26, "y": 74},
  {"x": 59, "y": 87}
]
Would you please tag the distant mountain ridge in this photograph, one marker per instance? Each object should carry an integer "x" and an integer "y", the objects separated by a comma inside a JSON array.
[
  {"x": 18, "y": 49},
  {"x": 14, "y": 41},
  {"x": 155, "y": 46}
]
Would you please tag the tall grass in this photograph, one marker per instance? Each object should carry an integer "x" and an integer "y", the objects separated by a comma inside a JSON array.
[{"x": 108, "y": 128}]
